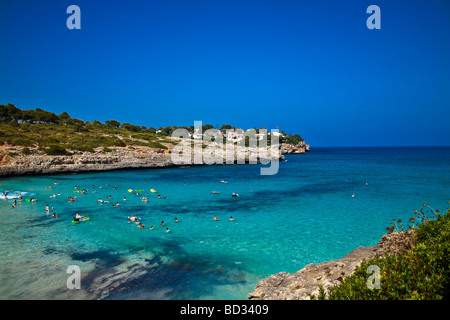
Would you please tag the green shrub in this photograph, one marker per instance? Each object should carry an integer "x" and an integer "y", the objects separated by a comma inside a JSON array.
[
  {"x": 158, "y": 145},
  {"x": 85, "y": 148},
  {"x": 50, "y": 140},
  {"x": 143, "y": 136},
  {"x": 137, "y": 143},
  {"x": 168, "y": 141},
  {"x": 422, "y": 273},
  {"x": 56, "y": 150},
  {"x": 26, "y": 151},
  {"x": 21, "y": 141},
  {"x": 119, "y": 143}
]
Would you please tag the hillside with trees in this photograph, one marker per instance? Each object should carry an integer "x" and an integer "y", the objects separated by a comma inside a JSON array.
[{"x": 43, "y": 132}]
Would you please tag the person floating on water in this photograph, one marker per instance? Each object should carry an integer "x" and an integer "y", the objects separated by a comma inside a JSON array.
[
  {"x": 176, "y": 220},
  {"x": 167, "y": 230},
  {"x": 215, "y": 218},
  {"x": 231, "y": 219},
  {"x": 141, "y": 226},
  {"x": 78, "y": 217},
  {"x": 234, "y": 194},
  {"x": 133, "y": 218}
]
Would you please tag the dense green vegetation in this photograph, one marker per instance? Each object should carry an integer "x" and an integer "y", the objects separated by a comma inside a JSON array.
[
  {"x": 422, "y": 273},
  {"x": 46, "y": 132}
]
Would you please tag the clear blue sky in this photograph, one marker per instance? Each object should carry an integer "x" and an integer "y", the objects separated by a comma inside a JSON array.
[{"x": 309, "y": 67}]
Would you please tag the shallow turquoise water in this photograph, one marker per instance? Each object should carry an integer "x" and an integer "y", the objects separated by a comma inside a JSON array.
[{"x": 304, "y": 214}]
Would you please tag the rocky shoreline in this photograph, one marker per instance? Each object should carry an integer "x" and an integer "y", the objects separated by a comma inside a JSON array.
[
  {"x": 14, "y": 163},
  {"x": 305, "y": 282}
]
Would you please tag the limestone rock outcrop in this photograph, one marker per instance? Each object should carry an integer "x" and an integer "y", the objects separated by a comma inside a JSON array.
[{"x": 306, "y": 282}]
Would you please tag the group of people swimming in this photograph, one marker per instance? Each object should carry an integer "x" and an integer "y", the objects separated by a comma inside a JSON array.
[
  {"x": 78, "y": 217},
  {"x": 20, "y": 197},
  {"x": 133, "y": 218},
  {"x": 5, "y": 195}
]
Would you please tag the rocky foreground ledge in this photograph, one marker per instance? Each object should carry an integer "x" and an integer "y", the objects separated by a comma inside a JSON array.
[{"x": 306, "y": 282}]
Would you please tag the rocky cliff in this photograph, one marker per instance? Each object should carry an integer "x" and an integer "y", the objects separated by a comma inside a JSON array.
[
  {"x": 301, "y": 147},
  {"x": 13, "y": 162},
  {"x": 306, "y": 282}
]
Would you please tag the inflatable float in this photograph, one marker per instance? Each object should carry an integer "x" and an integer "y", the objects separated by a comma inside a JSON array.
[{"x": 81, "y": 220}]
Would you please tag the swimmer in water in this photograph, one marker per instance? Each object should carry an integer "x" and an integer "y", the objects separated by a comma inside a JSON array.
[
  {"x": 151, "y": 228},
  {"x": 78, "y": 217},
  {"x": 133, "y": 218},
  {"x": 162, "y": 223},
  {"x": 176, "y": 220},
  {"x": 215, "y": 218},
  {"x": 141, "y": 226},
  {"x": 167, "y": 230},
  {"x": 231, "y": 219}
]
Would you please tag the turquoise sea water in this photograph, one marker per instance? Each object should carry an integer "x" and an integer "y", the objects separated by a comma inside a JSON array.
[{"x": 304, "y": 214}]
